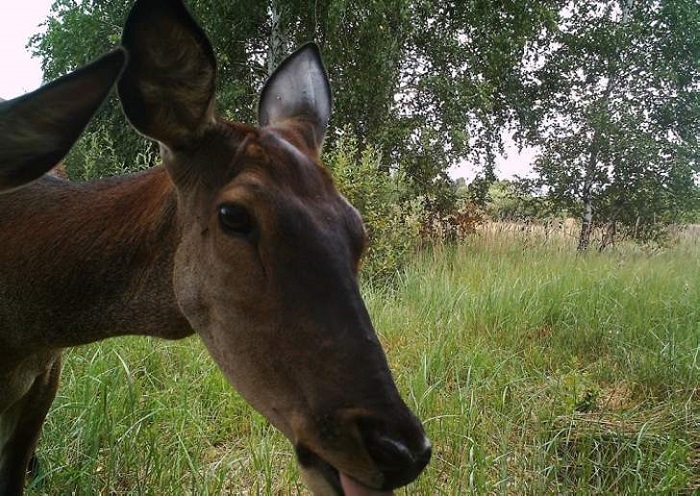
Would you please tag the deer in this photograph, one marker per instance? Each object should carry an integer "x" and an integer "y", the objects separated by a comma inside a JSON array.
[{"x": 239, "y": 236}]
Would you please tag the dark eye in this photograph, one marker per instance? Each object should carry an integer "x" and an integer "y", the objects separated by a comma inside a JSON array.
[{"x": 235, "y": 219}]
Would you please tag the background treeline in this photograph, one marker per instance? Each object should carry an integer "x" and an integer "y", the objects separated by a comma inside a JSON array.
[{"x": 607, "y": 92}]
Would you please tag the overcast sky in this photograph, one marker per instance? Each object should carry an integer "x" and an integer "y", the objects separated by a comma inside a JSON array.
[{"x": 20, "y": 73}]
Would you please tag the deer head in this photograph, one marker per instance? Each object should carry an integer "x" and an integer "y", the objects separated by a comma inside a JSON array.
[{"x": 266, "y": 267}]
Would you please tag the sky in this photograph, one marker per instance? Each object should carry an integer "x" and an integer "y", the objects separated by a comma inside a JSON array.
[
  {"x": 512, "y": 164},
  {"x": 20, "y": 73}
]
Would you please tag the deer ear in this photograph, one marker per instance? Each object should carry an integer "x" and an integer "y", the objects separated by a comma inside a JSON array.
[
  {"x": 38, "y": 129},
  {"x": 167, "y": 89},
  {"x": 298, "y": 90}
]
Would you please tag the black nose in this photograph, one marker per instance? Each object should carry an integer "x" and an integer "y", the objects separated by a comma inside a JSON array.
[{"x": 399, "y": 463}]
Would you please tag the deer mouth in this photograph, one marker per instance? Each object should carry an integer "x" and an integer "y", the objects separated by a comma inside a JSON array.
[{"x": 341, "y": 483}]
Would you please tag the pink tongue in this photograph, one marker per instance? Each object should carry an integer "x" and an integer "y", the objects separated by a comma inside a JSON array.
[{"x": 354, "y": 488}]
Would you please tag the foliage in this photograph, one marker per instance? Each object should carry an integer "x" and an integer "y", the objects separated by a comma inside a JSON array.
[
  {"x": 451, "y": 226},
  {"x": 392, "y": 223},
  {"x": 425, "y": 84},
  {"x": 615, "y": 111},
  {"x": 461, "y": 86},
  {"x": 95, "y": 157},
  {"x": 508, "y": 202}
]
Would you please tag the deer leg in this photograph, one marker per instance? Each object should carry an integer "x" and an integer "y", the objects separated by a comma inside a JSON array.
[{"x": 20, "y": 425}]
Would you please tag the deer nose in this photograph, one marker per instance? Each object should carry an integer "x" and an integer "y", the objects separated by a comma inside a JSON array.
[{"x": 399, "y": 463}]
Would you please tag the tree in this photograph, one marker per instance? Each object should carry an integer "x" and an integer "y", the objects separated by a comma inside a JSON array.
[
  {"x": 460, "y": 86},
  {"x": 615, "y": 94},
  {"x": 426, "y": 84}
]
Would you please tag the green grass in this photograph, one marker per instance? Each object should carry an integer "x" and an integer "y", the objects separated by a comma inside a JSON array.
[{"x": 536, "y": 371}]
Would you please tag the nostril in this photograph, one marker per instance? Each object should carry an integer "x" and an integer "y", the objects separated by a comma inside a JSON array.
[
  {"x": 389, "y": 454},
  {"x": 398, "y": 463}
]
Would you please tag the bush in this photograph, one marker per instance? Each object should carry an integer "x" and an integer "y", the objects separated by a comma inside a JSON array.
[
  {"x": 508, "y": 202},
  {"x": 452, "y": 226},
  {"x": 96, "y": 156},
  {"x": 392, "y": 222}
]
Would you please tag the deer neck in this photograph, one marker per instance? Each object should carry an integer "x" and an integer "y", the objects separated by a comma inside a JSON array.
[{"x": 85, "y": 262}]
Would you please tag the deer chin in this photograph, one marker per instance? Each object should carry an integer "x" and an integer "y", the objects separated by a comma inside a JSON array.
[{"x": 323, "y": 479}]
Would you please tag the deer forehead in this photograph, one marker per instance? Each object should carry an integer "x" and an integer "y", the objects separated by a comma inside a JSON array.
[{"x": 265, "y": 164}]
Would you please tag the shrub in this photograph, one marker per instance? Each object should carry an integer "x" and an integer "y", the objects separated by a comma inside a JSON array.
[
  {"x": 392, "y": 222},
  {"x": 452, "y": 226},
  {"x": 96, "y": 156},
  {"x": 509, "y": 202}
]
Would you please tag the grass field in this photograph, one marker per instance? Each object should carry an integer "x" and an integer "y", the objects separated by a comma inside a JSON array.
[{"x": 535, "y": 371}]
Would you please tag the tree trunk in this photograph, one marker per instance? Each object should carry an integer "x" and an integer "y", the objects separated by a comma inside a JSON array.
[
  {"x": 584, "y": 238},
  {"x": 276, "y": 51}
]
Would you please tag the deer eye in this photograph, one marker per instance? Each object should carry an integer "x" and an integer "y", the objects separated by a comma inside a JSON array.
[{"x": 235, "y": 219}]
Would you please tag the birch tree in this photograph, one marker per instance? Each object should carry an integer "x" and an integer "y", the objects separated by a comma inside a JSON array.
[{"x": 615, "y": 94}]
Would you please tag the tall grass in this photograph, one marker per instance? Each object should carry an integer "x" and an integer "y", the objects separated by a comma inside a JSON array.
[{"x": 535, "y": 370}]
